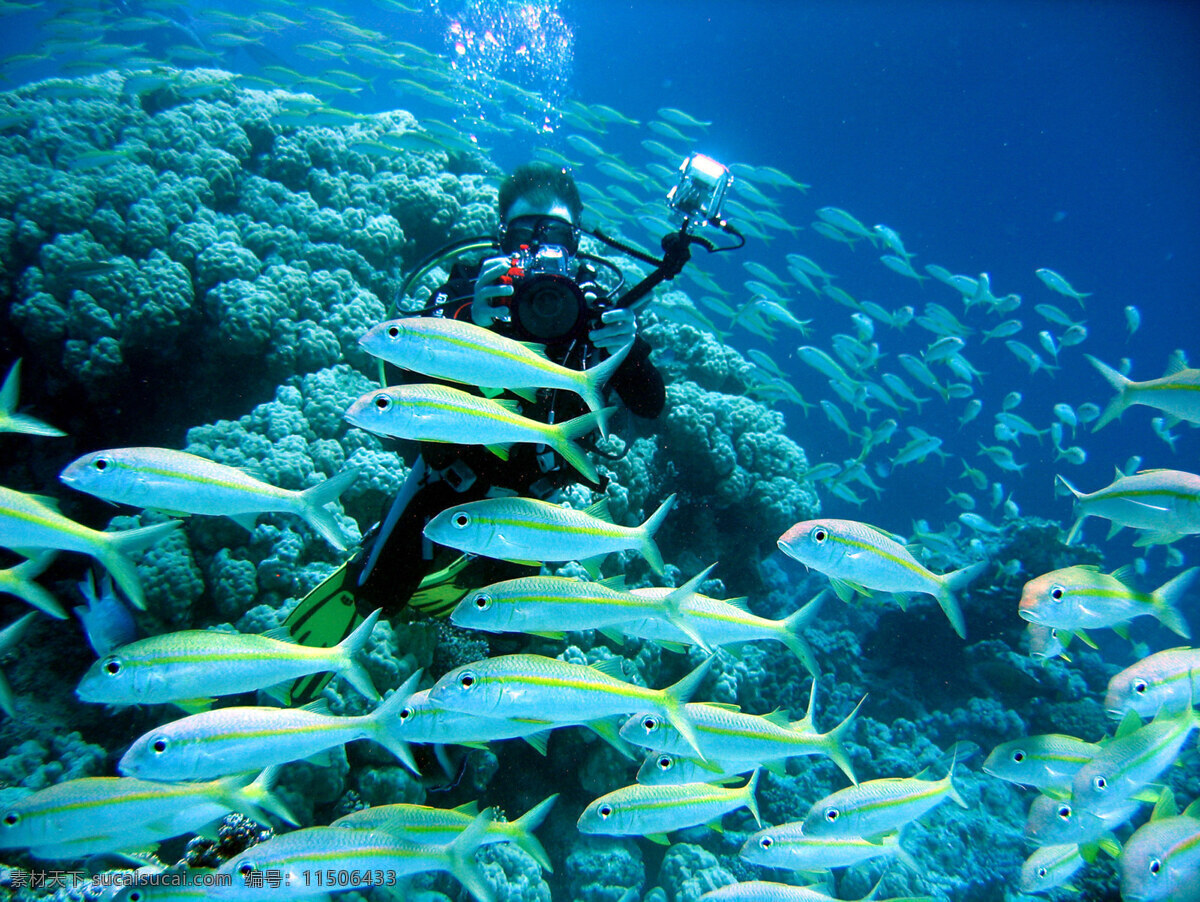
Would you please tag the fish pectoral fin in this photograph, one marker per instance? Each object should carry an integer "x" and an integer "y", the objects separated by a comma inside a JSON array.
[
  {"x": 194, "y": 705},
  {"x": 716, "y": 827},
  {"x": 612, "y": 634},
  {"x": 842, "y": 589},
  {"x": 1086, "y": 639},
  {"x": 246, "y": 521},
  {"x": 548, "y": 635},
  {"x": 500, "y": 450},
  {"x": 537, "y": 741},
  {"x": 778, "y": 768},
  {"x": 660, "y": 838}
]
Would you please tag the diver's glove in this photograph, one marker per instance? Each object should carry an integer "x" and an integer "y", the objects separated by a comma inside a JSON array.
[
  {"x": 485, "y": 309},
  {"x": 618, "y": 328}
]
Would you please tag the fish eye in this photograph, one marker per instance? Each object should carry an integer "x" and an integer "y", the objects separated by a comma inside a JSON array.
[
  {"x": 765, "y": 843},
  {"x": 12, "y": 819},
  {"x": 100, "y": 464},
  {"x": 1155, "y": 866},
  {"x": 1099, "y": 783},
  {"x": 1064, "y": 812},
  {"x": 112, "y": 666},
  {"x": 483, "y": 602},
  {"x": 382, "y": 402},
  {"x": 819, "y": 534},
  {"x": 1042, "y": 872},
  {"x": 467, "y": 680},
  {"x": 831, "y": 815},
  {"x": 1057, "y": 593},
  {"x": 1139, "y": 686},
  {"x": 604, "y": 811},
  {"x": 1018, "y": 756},
  {"x": 406, "y": 714},
  {"x": 650, "y": 724},
  {"x": 134, "y": 896},
  {"x": 665, "y": 762},
  {"x": 462, "y": 519},
  {"x": 159, "y": 746},
  {"x": 393, "y": 332},
  {"x": 246, "y": 868}
]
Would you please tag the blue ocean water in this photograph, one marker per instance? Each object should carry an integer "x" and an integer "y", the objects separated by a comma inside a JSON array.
[{"x": 994, "y": 137}]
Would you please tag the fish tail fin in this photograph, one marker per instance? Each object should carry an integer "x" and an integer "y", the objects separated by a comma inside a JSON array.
[
  {"x": 594, "y": 381},
  {"x": 751, "y": 799},
  {"x": 676, "y": 696},
  {"x": 258, "y": 797},
  {"x": 952, "y": 583},
  {"x": 113, "y": 556},
  {"x": 794, "y": 623},
  {"x": 460, "y": 855},
  {"x": 1117, "y": 405},
  {"x": 649, "y": 548},
  {"x": 386, "y": 719},
  {"x": 673, "y": 607},
  {"x": 834, "y": 747},
  {"x": 349, "y": 667},
  {"x": 19, "y": 581},
  {"x": 313, "y": 501},
  {"x": 1166, "y": 602},
  {"x": 562, "y": 438},
  {"x": 524, "y": 826},
  {"x": 20, "y": 422},
  {"x": 12, "y": 385}
]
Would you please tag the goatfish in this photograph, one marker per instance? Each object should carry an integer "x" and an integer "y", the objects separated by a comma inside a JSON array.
[
  {"x": 655, "y": 811},
  {"x": 178, "y": 482},
  {"x": 518, "y": 686},
  {"x": 1161, "y": 861},
  {"x": 1081, "y": 597},
  {"x": 30, "y": 521},
  {"x": 788, "y": 848},
  {"x": 94, "y": 815},
  {"x": 10, "y": 420},
  {"x": 526, "y": 529},
  {"x": 1164, "y": 681},
  {"x": 766, "y": 891},
  {"x": 878, "y": 806},
  {"x": 555, "y": 604},
  {"x": 1059, "y": 821},
  {"x": 1049, "y": 867},
  {"x": 1055, "y": 282},
  {"x": 1164, "y": 503},
  {"x": 720, "y": 623},
  {"x": 1131, "y": 761},
  {"x": 858, "y": 556},
  {"x": 458, "y": 351},
  {"x": 1047, "y": 762},
  {"x": 441, "y": 826},
  {"x": 423, "y": 722},
  {"x": 1177, "y": 392},
  {"x": 189, "y": 666},
  {"x": 367, "y": 857},
  {"x": 230, "y": 740},
  {"x": 728, "y": 736},
  {"x": 439, "y": 413}
]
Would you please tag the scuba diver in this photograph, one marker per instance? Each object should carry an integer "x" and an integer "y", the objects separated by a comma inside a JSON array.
[{"x": 539, "y": 287}]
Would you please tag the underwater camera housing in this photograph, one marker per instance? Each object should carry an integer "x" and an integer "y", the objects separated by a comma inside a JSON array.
[
  {"x": 700, "y": 193},
  {"x": 547, "y": 304}
]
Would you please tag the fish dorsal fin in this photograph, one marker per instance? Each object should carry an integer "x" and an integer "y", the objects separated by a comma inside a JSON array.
[
  {"x": 534, "y": 347},
  {"x": 1192, "y": 810},
  {"x": 47, "y": 501},
  {"x": 780, "y": 718},
  {"x": 724, "y": 706},
  {"x": 1119, "y": 474},
  {"x": 1176, "y": 364},
  {"x": 890, "y": 536},
  {"x": 279, "y": 634},
  {"x": 1091, "y": 568},
  {"x": 1125, "y": 575},
  {"x": 1130, "y": 722},
  {"x": 1165, "y": 806},
  {"x": 613, "y": 667},
  {"x": 616, "y": 583},
  {"x": 600, "y": 511},
  {"x": 742, "y": 603},
  {"x": 512, "y": 405},
  {"x": 317, "y": 706},
  {"x": 471, "y": 809}
]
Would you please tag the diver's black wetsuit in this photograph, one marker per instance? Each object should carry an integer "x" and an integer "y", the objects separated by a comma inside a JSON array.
[{"x": 462, "y": 473}]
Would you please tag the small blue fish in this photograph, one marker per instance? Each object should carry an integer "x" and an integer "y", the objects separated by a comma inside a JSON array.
[{"x": 106, "y": 621}]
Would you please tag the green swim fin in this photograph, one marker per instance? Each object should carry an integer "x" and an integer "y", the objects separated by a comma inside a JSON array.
[{"x": 323, "y": 618}]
